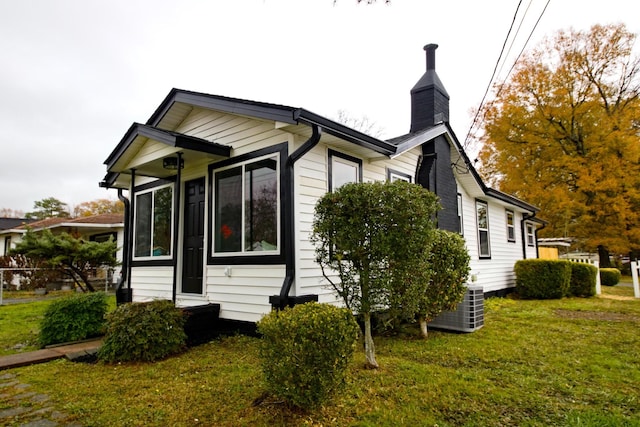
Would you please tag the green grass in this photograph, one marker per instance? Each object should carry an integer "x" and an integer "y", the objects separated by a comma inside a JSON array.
[
  {"x": 570, "y": 362},
  {"x": 20, "y": 323}
]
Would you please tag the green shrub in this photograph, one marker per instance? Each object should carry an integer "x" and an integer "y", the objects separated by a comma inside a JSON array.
[
  {"x": 583, "y": 280},
  {"x": 143, "y": 332},
  {"x": 542, "y": 278},
  {"x": 610, "y": 276},
  {"x": 305, "y": 351},
  {"x": 73, "y": 318}
]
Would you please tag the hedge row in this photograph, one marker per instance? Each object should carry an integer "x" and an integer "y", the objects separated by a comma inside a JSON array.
[{"x": 549, "y": 279}]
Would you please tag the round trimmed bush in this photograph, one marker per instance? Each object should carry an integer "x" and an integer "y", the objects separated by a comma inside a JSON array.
[
  {"x": 542, "y": 278},
  {"x": 305, "y": 351},
  {"x": 583, "y": 279},
  {"x": 143, "y": 332},
  {"x": 610, "y": 276},
  {"x": 73, "y": 318}
]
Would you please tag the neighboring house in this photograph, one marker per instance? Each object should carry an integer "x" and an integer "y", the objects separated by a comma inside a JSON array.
[
  {"x": 92, "y": 228},
  {"x": 222, "y": 194}
]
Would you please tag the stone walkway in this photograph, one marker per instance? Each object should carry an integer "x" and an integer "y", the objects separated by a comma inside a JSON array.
[{"x": 21, "y": 407}]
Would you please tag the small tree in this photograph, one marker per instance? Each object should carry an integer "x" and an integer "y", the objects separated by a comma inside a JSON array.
[
  {"x": 449, "y": 264},
  {"x": 72, "y": 256},
  {"x": 49, "y": 208},
  {"x": 375, "y": 238}
]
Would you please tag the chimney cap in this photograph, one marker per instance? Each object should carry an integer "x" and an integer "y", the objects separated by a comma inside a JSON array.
[{"x": 430, "y": 46}]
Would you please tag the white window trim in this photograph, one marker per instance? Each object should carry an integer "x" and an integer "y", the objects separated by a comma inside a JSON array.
[
  {"x": 394, "y": 175},
  {"x": 135, "y": 222},
  {"x": 511, "y": 227},
  {"x": 531, "y": 236},
  {"x": 242, "y": 164},
  {"x": 480, "y": 254},
  {"x": 460, "y": 216}
]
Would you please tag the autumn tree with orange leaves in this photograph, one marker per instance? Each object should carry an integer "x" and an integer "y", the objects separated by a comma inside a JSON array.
[
  {"x": 564, "y": 134},
  {"x": 98, "y": 207}
]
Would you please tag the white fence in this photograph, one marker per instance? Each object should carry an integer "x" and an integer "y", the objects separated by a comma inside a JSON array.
[
  {"x": 596, "y": 264},
  {"x": 635, "y": 270}
]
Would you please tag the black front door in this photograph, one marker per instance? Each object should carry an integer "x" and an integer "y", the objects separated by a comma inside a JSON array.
[{"x": 193, "y": 248}]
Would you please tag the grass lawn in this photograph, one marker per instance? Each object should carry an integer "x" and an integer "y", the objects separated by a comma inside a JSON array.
[
  {"x": 20, "y": 323},
  {"x": 572, "y": 362}
]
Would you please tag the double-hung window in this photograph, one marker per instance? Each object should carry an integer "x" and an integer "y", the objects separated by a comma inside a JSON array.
[
  {"x": 530, "y": 235},
  {"x": 246, "y": 207},
  {"x": 153, "y": 223},
  {"x": 460, "y": 222},
  {"x": 482, "y": 215},
  {"x": 511, "y": 226}
]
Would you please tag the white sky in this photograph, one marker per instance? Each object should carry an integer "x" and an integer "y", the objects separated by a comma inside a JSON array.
[{"x": 75, "y": 74}]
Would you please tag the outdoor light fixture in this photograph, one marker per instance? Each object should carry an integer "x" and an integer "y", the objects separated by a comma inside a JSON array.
[{"x": 171, "y": 163}]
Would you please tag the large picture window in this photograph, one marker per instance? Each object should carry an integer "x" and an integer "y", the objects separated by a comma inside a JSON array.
[
  {"x": 246, "y": 208},
  {"x": 482, "y": 213},
  {"x": 153, "y": 223}
]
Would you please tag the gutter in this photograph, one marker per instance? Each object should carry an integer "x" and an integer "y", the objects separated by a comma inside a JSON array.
[
  {"x": 282, "y": 300},
  {"x": 530, "y": 217}
]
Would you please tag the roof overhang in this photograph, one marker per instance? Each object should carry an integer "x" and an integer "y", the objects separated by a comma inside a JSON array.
[{"x": 128, "y": 154}]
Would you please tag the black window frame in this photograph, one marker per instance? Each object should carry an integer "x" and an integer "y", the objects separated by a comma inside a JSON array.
[
  {"x": 153, "y": 261},
  {"x": 400, "y": 175},
  {"x": 338, "y": 154},
  {"x": 251, "y": 258}
]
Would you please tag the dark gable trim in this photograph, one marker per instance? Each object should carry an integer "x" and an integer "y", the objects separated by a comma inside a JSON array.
[
  {"x": 333, "y": 153},
  {"x": 244, "y": 107},
  {"x": 282, "y": 150},
  {"x": 172, "y": 139},
  {"x": 266, "y": 111}
]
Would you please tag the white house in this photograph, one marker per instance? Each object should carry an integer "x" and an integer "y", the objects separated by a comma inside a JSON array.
[
  {"x": 92, "y": 228},
  {"x": 221, "y": 195}
]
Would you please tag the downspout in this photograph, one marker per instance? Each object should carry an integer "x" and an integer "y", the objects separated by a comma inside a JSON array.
[
  {"x": 176, "y": 224},
  {"x": 125, "y": 247},
  {"x": 283, "y": 299},
  {"x": 525, "y": 217},
  {"x": 131, "y": 219},
  {"x": 535, "y": 234}
]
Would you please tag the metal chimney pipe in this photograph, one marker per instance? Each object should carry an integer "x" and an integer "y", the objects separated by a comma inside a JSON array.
[{"x": 431, "y": 55}]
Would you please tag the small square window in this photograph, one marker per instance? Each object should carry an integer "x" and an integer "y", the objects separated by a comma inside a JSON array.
[
  {"x": 393, "y": 175},
  {"x": 343, "y": 169}
]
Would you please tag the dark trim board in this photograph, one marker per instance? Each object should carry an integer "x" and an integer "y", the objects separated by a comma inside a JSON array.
[
  {"x": 500, "y": 293},
  {"x": 282, "y": 151}
]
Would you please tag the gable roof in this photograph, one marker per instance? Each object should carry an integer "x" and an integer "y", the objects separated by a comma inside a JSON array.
[
  {"x": 179, "y": 103},
  {"x": 6, "y": 223}
]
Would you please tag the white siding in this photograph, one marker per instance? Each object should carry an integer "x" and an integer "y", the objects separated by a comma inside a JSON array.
[
  {"x": 243, "y": 293},
  {"x": 311, "y": 183},
  {"x": 151, "y": 283}
]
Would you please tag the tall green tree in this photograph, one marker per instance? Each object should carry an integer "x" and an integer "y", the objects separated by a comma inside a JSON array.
[
  {"x": 372, "y": 242},
  {"x": 73, "y": 257},
  {"x": 49, "y": 208},
  {"x": 563, "y": 134}
]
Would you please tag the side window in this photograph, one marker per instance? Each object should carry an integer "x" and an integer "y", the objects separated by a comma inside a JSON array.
[
  {"x": 343, "y": 169},
  {"x": 7, "y": 245},
  {"x": 482, "y": 214},
  {"x": 460, "y": 223},
  {"x": 153, "y": 223},
  {"x": 246, "y": 208},
  {"x": 511, "y": 226},
  {"x": 393, "y": 175},
  {"x": 530, "y": 235}
]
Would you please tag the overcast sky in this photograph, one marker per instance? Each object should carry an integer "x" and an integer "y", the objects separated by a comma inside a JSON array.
[{"x": 75, "y": 74}]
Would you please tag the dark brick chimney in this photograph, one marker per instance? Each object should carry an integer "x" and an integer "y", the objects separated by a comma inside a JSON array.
[
  {"x": 429, "y": 98},
  {"x": 429, "y": 106}
]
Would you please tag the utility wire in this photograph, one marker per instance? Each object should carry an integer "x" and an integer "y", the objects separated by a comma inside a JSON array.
[{"x": 495, "y": 68}]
